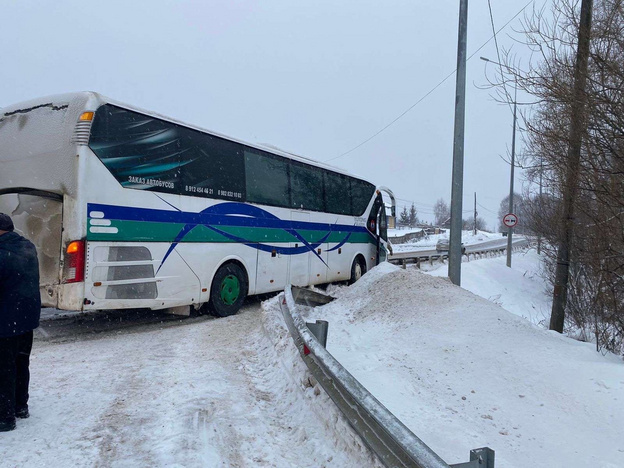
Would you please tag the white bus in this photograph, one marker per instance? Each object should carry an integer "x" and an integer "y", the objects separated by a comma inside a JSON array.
[{"x": 130, "y": 209}]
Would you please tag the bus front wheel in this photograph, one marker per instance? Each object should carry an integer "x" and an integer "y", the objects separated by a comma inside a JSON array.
[
  {"x": 228, "y": 290},
  {"x": 358, "y": 268}
]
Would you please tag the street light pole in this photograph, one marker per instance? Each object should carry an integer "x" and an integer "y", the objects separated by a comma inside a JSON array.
[
  {"x": 511, "y": 178},
  {"x": 513, "y": 162},
  {"x": 457, "y": 186}
]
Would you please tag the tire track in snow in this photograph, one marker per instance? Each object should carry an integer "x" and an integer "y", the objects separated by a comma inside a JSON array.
[{"x": 218, "y": 393}]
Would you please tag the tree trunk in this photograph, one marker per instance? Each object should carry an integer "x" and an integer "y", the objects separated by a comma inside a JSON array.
[{"x": 578, "y": 126}]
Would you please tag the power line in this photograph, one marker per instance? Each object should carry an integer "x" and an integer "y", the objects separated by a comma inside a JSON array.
[
  {"x": 486, "y": 209},
  {"x": 500, "y": 64},
  {"x": 432, "y": 90}
]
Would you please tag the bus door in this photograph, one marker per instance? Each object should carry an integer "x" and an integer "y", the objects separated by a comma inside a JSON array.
[{"x": 378, "y": 225}]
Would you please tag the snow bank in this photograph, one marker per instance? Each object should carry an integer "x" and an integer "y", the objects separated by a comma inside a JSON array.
[
  {"x": 463, "y": 373},
  {"x": 521, "y": 289}
]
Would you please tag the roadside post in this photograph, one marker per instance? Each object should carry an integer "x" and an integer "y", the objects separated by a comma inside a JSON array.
[{"x": 509, "y": 220}]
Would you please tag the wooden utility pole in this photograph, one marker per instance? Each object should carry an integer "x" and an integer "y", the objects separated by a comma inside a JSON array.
[
  {"x": 475, "y": 215},
  {"x": 578, "y": 127}
]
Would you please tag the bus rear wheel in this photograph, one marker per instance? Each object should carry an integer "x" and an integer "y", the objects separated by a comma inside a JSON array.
[
  {"x": 228, "y": 290},
  {"x": 358, "y": 268}
]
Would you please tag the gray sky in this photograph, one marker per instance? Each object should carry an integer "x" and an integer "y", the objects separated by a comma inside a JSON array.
[{"x": 314, "y": 78}]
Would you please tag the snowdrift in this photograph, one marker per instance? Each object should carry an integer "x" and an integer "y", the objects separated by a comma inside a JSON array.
[{"x": 463, "y": 373}]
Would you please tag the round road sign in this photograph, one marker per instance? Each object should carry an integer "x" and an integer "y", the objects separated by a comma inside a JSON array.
[{"x": 510, "y": 220}]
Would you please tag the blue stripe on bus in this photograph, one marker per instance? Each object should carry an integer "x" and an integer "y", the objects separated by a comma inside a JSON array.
[
  {"x": 224, "y": 214},
  {"x": 234, "y": 215}
]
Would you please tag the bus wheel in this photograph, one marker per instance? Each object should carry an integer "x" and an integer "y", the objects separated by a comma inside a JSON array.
[
  {"x": 357, "y": 269},
  {"x": 228, "y": 290}
]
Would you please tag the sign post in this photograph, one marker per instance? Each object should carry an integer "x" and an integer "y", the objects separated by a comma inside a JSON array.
[{"x": 509, "y": 220}]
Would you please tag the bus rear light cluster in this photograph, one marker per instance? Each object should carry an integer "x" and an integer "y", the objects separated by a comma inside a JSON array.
[{"x": 74, "y": 266}]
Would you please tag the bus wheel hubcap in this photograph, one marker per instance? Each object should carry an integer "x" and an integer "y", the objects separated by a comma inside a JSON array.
[
  {"x": 230, "y": 289},
  {"x": 358, "y": 271}
]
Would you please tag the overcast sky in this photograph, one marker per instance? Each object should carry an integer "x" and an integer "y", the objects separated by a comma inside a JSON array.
[{"x": 313, "y": 78}]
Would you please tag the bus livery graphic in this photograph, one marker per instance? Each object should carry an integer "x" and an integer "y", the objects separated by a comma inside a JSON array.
[{"x": 231, "y": 221}]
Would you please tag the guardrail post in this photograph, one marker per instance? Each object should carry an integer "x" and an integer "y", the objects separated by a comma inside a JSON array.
[
  {"x": 319, "y": 330},
  {"x": 479, "y": 458}
]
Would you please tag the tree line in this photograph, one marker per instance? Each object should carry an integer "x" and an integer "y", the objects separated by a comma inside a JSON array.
[{"x": 574, "y": 159}]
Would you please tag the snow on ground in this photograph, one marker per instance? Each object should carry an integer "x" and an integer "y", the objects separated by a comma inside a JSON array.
[
  {"x": 214, "y": 394},
  {"x": 457, "y": 369},
  {"x": 463, "y": 373},
  {"x": 403, "y": 231},
  {"x": 429, "y": 242},
  {"x": 520, "y": 289}
]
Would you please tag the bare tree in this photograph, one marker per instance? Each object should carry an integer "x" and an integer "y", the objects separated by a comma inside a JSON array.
[
  {"x": 441, "y": 212},
  {"x": 469, "y": 224},
  {"x": 574, "y": 136},
  {"x": 413, "y": 216}
]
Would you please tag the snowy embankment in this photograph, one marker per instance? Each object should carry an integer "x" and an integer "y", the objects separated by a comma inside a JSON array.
[
  {"x": 463, "y": 373},
  {"x": 520, "y": 289}
]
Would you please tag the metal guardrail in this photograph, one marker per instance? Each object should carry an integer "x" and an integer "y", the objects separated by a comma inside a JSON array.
[
  {"x": 417, "y": 257},
  {"x": 381, "y": 431}
]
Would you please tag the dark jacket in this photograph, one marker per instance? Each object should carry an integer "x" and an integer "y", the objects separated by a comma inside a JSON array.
[{"x": 20, "y": 302}]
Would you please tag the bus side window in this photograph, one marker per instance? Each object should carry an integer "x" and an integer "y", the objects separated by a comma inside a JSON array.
[{"x": 382, "y": 223}]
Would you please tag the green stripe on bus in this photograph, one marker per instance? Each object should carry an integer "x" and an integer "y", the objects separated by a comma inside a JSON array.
[{"x": 136, "y": 231}]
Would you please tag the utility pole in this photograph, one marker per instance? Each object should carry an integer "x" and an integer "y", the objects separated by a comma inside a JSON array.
[
  {"x": 513, "y": 156},
  {"x": 578, "y": 126},
  {"x": 539, "y": 234},
  {"x": 475, "y": 215},
  {"x": 511, "y": 178},
  {"x": 457, "y": 189}
]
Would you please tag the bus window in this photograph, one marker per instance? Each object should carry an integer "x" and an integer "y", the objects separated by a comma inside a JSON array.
[
  {"x": 306, "y": 185},
  {"x": 337, "y": 193},
  {"x": 267, "y": 179},
  {"x": 382, "y": 223},
  {"x": 361, "y": 192},
  {"x": 146, "y": 153},
  {"x": 140, "y": 151},
  {"x": 213, "y": 167}
]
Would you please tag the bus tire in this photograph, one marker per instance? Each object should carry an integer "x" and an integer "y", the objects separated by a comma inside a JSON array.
[
  {"x": 228, "y": 290},
  {"x": 358, "y": 268}
]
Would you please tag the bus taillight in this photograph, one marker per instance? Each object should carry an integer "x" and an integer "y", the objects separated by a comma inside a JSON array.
[{"x": 73, "y": 271}]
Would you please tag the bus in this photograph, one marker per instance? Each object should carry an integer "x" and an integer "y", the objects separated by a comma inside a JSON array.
[{"x": 131, "y": 209}]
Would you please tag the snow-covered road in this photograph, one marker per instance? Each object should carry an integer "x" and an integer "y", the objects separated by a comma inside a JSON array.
[{"x": 210, "y": 394}]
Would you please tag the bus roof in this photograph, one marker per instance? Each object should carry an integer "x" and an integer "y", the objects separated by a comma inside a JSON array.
[{"x": 93, "y": 100}]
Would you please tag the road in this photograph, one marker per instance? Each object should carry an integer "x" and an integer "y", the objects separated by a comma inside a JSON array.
[
  {"x": 141, "y": 388},
  {"x": 427, "y": 252}
]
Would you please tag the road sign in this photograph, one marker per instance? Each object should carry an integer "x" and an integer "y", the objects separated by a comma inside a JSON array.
[{"x": 510, "y": 220}]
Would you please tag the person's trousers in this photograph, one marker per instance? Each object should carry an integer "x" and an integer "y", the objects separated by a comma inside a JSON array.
[{"x": 14, "y": 374}]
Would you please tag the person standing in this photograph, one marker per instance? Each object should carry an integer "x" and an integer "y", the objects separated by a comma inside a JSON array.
[{"x": 20, "y": 309}]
